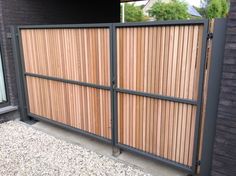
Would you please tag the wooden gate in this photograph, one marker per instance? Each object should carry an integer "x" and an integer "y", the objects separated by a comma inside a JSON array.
[
  {"x": 67, "y": 76},
  {"x": 138, "y": 86},
  {"x": 159, "y": 88}
]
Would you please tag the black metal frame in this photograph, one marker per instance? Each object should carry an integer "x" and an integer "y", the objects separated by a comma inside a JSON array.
[
  {"x": 19, "y": 72},
  {"x": 214, "y": 81},
  {"x": 198, "y": 103},
  {"x": 114, "y": 90},
  {"x": 21, "y": 82},
  {"x": 77, "y": 130},
  {"x": 68, "y": 81}
]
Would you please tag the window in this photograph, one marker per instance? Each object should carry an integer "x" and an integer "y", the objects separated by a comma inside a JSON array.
[{"x": 3, "y": 97}]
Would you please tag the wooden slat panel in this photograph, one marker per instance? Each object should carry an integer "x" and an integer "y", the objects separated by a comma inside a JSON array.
[
  {"x": 81, "y": 107},
  {"x": 74, "y": 54},
  {"x": 171, "y": 60},
  {"x": 161, "y": 60},
  {"x": 151, "y": 134}
]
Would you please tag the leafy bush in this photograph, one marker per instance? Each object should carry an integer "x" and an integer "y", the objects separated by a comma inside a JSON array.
[
  {"x": 174, "y": 10},
  {"x": 133, "y": 13},
  {"x": 217, "y": 9}
]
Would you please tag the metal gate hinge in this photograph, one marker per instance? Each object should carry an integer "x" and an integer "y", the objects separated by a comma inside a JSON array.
[
  {"x": 210, "y": 35},
  {"x": 198, "y": 163}
]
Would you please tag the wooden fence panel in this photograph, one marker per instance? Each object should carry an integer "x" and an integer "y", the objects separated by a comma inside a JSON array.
[
  {"x": 71, "y": 54},
  {"x": 160, "y": 60},
  {"x": 152, "y": 127},
  {"x": 163, "y": 60},
  {"x": 74, "y": 54},
  {"x": 80, "y": 107}
]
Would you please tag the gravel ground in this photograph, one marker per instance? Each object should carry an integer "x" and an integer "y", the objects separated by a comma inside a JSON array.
[{"x": 26, "y": 151}]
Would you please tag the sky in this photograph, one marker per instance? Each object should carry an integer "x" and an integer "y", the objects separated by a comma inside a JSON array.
[
  {"x": 191, "y": 2},
  {"x": 194, "y": 2}
]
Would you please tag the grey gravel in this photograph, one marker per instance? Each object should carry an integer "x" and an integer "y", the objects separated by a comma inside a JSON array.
[{"x": 26, "y": 151}]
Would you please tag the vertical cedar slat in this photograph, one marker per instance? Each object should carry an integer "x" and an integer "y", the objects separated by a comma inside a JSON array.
[
  {"x": 177, "y": 87},
  {"x": 126, "y": 132},
  {"x": 145, "y": 87},
  {"x": 163, "y": 91},
  {"x": 119, "y": 74},
  {"x": 100, "y": 82},
  {"x": 156, "y": 73},
  {"x": 141, "y": 86},
  {"x": 188, "y": 83},
  {"x": 156, "y": 40},
  {"x": 169, "y": 86},
  {"x": 137, "y": 59},
  {"x": 174, "y": 106},
  {"x": 183, "y": 106},
  {"x": 166, "y": 90},
  {"x": 130, "y": 43},
  {"x": 153, "y": 65}
]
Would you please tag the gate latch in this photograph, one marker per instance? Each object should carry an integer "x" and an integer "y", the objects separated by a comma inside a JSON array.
[
  {"x": 113, "y": 83},
  {"x": 210, "y": 35}
]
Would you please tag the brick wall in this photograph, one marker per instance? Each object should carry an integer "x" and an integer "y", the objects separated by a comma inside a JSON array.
[
  {"x": 20, "y": 12},
  {"x": 224, "y": 156}
]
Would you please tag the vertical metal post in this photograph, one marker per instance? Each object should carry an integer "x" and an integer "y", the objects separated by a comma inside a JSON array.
[
  {"x": 19, "y": 74},
  {"x": 217, "y": 55},
  {"x": 116, "y": 150},
  {"x": 200, "y": 93},
  {"x": 112, "y": 83}
]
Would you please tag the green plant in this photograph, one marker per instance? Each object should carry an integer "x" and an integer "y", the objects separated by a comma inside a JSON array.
[
  {"x": 174, "y": 10},
  {"x": 217, "y": 9},
  {"x": 133, "y": 13}
]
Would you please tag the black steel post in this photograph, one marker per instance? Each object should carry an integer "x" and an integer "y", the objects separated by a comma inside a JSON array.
[
  {"x": 200, "y": 94},
  {"x": 116, "y": 150},
  {"x": 19, "y": 74},
  {"x": 215, "y": 73}
]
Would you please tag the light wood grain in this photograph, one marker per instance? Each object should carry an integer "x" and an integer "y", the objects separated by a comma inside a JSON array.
[
  {"x": 67, "y": 53},
  {"x": 152, "y": 133},
  {"x": 135, "y": 48},
  {"x": 160, "y": 60},
  {"x": 65, "y": 103}
]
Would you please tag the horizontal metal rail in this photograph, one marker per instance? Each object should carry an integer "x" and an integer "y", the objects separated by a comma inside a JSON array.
[
  {"x": 156, "y": 158},
  {"x": 108, "y": 25},
  {"x": 68, "y": 81},
  {"x": 66, "y": 26},
  {"x": 157, "y": 96},
  {"x": 80, "y": 131},
  {"x": 162, "y": 23}
]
